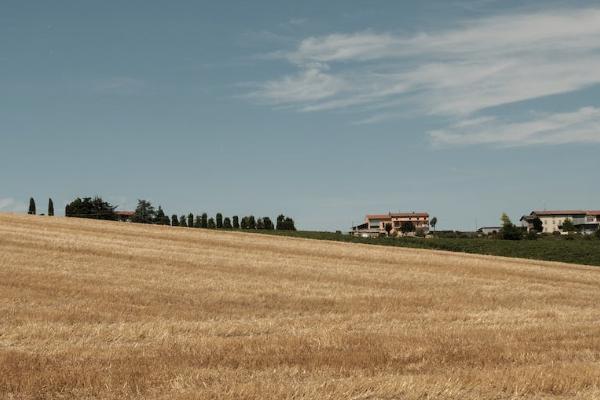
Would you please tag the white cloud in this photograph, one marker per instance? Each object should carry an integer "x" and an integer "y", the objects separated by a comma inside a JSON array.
[
  {"x": 8, "y": 204},
  {"x": 454, "y": 74},
  {"x": 311, "y": 84},
  {"x": 581, "y": 126}
]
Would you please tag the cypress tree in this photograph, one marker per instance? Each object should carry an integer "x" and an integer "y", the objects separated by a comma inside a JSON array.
[
  {"x": 174, "y": 220},
  {"x": 204, "y": 220},
  {"x": 219, "y": 220},
  {"x": 182, "y": 221},
  {"x": 211, "y": 223},
  {"x": 227, "y": 223},
  {"x": 198, "y": 222},
  {"x": 190, "y": 220},
  {"x": 268, "y": 223},
  {"x": 159, "y": 217},
  {"x": 50, "y": 208},
  {"x": 280, "y": 222},
  {"x": 236, "y": 222},
  {"x": 31, "y": 206}
]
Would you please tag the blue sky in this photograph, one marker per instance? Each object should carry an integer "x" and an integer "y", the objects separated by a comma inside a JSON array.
[{"x": 321, "y": 110}]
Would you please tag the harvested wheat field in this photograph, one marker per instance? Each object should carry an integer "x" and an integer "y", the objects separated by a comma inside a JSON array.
[{"x": 121, "y": 311}]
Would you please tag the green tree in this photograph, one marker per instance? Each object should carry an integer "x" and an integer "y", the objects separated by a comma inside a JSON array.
[
  {"x": 219, "y": 220},
  {"x": 182, "y": 221},
  {"x": 407, "y": 227},
  {"x": 236, "y": 222},
  {"x": 190, "y": 220},
  {"x": 260, "y": 224},
  {"x": 433, "y": 222},
  {"x": 227, "y": 223},
  {"x": 388, "y": 228},
  {"x": 50, "y": 208},
  {"x": 211, "y": 223},
  {"x": 598, "y": 233},
  {"x": 251, "y": 222},
  {"x": 174, "y": 220},
  {"x": 198, "y": 222},
  {"x": 204, "y": 220},
  {"x": 568, "y": 226},
  {"x": 87, "y": 207},
  {"x": 268, "y": 224},
  {"x": 285, "y": 223},
  {"x": 160, "y": 217},
  {"x": 280, "y": 222},
  {"x": 31, "y": 206},
  {"x": 538, "y": 225},
  {"x": 144, "y": 213},
  {"x": 509, "y": 231}
]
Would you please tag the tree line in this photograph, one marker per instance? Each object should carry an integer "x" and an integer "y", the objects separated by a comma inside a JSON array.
[{"x": 146, "y": 213}]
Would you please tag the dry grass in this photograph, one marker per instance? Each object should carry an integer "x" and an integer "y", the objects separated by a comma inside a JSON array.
[{"x": 120, "y": 311}]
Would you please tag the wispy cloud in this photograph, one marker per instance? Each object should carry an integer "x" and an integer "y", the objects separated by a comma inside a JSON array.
[
  {"x": 454, "y": 74},
  {"x": 11, "y": 205},
  {"x": 581, "y": 126}
]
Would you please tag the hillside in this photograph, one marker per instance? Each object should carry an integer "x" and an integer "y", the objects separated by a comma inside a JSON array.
[{"x": 121, "y": 311}]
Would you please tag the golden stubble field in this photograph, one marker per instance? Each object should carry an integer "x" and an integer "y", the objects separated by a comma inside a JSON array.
[{"x": 120, "y": 311}]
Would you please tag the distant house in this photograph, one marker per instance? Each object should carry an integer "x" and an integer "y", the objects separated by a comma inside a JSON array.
[
  {"x": 489, "y": 230},
  {"x": 124, "y": 216},
  {"x": 586, "y": 221},
  {"x": 375, "y": 224}
]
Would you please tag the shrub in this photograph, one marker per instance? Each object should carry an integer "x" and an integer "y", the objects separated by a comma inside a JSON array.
[{"x": 531, "y": 235}]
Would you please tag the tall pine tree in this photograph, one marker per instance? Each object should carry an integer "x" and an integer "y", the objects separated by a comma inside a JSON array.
[
  {"x": 31, "y": 206},
  {"x": 50, "y": 208}
]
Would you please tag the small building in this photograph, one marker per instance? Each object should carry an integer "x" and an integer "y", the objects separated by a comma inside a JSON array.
[
  {"x": 489, "y": 230},
  {"x": 585, "y": 221},
  {"x": 375, "y": 224},
  {"x": 124, "y": 216}
]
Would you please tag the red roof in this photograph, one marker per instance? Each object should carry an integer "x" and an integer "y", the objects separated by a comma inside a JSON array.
[
  {"x": 397, "y": 215},
  {"x": 411, "y": 214},
  {"x": 379, "y": 216},
  {"x": 125, "y": 213},
  {"x": 593, "y": 212},
  {"x": 560, "y": 212}
]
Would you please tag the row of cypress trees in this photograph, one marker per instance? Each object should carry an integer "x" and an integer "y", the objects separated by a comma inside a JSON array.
[
  {"x": 32, "y": 208},
  {"x": 145, "y": 213}
]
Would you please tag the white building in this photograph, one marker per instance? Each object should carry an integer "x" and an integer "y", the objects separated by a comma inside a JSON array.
[{"x": 586, "y": 221}]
